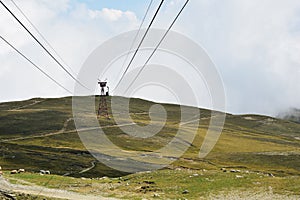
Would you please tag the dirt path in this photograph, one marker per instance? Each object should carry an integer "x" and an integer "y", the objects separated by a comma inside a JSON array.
[
  {"x": 25, "y": 106},
  {"x": 43, "y": 191},
  {"x": 63, "y": 130},
  {"x": 89, "y": 168},
  {"x": 251, "y": 195},
  {"x": 43, "y": 135}
]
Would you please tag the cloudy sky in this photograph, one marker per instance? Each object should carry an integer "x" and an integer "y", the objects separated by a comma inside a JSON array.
[{"x": 255, "y": 44}]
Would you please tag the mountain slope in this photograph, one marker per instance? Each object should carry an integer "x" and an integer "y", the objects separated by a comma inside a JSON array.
[
  {"x": 40, "y": 134},
  {"x": 37, "y": 131},
  {"x": 291, "y": 115}
]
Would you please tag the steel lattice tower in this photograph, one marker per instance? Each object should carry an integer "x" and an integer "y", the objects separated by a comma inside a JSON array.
[{"x": 102, "y": 110}]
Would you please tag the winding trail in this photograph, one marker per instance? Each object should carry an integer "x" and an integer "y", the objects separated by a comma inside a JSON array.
[
  {"x": 42, "y": 135},
  {"x": 25, "y": 106},
  {"x": 63, "y": 130},
  {"x": 89, "y": 168}
]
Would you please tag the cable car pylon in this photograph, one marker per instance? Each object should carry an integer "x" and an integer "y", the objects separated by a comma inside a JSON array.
[{"x": 103, "y": 110}]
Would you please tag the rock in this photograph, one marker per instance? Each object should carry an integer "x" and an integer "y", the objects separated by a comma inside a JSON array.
[
  {"x": 145, "y": 187},
  {"x": 239, "y": 176},
  {"x": 270, "y": 189},
  {"x": 270, "y": 175},
  {"x": 1, "y": 173},
  {"x": 156, "y": 195},
  {"x": 185, "y": 192},
  {"x": 21, "y": 170},
  {"x": 149, "y": 182},
  {"x": 13, "y": 171},
  {"x": 194, "y": 175},
  {"x": 233, "y": 171}
]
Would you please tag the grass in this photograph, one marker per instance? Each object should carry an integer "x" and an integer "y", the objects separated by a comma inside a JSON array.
[
  {"x": 28, "y": 123},
  {"x": 248, "y": 142},
  {"x": 198, "y": 183},
  {"x": 20, "y": 196}
]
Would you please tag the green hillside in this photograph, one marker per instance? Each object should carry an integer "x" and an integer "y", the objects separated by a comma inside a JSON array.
[{"x": 40, "y": 134}]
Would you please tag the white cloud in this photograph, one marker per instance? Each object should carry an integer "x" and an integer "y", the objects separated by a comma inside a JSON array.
[
  {"x": 112, "y": 14},
  {"x": 69, "y": 28},
  {"x": 255, "y": 44},
  {"x": 109, "y": 14}
]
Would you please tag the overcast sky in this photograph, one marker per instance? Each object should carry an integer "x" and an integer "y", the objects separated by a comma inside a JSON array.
[{"x": 255, "y": 44}]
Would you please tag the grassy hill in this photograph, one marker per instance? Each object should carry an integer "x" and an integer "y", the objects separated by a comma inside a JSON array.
[
  {"x": 40, "y": 134},
  {"x": 292, "y": 114}
]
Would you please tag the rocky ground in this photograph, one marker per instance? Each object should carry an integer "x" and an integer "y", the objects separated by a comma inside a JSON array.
[{"x": 24, "y": 192}]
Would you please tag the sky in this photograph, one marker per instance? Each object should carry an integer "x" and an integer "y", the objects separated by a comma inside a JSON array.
[{"x": 255, "y": 44}]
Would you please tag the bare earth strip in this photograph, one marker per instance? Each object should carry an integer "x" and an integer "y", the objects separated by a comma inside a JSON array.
[
  {"x": 63, "y": 130},
  {"x": 25, "y": 106},
  {"x": 253, "y": 195},
  {"x": 42, "y": 191}
]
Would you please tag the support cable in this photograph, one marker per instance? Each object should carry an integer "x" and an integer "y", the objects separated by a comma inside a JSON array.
[
  {"x": 47, "y": 75},
  {"x": 152, "y": 20},
  {"x": 41, "y": 35},
  {"x": 161, "y": 40},
  {"x": 42, "y": 45},
  {"x": 135, "y": 37}
]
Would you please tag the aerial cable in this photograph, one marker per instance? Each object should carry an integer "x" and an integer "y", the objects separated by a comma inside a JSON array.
[
  {"x": 57, "y": 83},
  {"x": 139, "y": 45},
  {"x": 161, "y": 40},
  {"x": 139, "y": 29},
  {"x": 41, "y": 35},
  {"x": 42, "y": 45}
]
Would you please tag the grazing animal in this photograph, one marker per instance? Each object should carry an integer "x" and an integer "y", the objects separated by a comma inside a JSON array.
[
  {"x": 21, "y": 170},
  {"x": 43, "y": 172}
]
